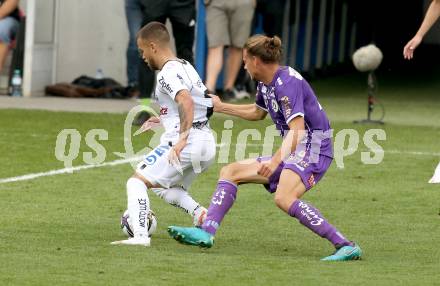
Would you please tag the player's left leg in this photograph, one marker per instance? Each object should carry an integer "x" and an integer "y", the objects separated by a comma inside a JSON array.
[
  {"x": 231, "y": 176},
  {"x": 222, "y": 200},
  {"x": 287, "y": 197},
  {"x": 196, "y": 158},
  {"x": 180, "y": 198}
]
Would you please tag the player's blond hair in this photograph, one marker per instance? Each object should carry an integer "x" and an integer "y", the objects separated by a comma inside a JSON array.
[{"x": 268, "y": 49}]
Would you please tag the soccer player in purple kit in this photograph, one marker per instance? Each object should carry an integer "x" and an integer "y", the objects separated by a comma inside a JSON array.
[{"x": 302, "y": 160}]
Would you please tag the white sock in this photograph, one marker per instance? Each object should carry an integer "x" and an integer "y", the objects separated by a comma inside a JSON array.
[
  {"x": 138, "y": 206},
  {"x": 178, "y": 197}
]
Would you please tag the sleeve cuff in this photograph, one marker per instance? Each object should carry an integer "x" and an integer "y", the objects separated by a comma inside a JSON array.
[
  {"x": 291, "y": 117},
  {"x": 173, "y": 96},
  {"x": 265, "y": 109}
]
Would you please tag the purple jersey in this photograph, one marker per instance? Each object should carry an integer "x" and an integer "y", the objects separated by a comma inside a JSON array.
[{"x": 289, "y": 96}]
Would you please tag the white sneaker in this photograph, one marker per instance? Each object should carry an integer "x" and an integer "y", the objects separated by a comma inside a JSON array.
[
  {"x": 139, "y": 240},
  {"x": 241, "y": 94},
  {"x": 199, "y": 216}
]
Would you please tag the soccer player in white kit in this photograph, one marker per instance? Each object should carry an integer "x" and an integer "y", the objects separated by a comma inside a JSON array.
[{"x": 187, "y": 147}]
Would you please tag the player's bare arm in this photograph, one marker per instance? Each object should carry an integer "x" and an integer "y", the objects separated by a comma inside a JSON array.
[
  {"x": 432, "y": 14},
  {"x": 186, "y": 113},
  {"x": 246, "y": 111},
  {"x": 288, "y": 146}
]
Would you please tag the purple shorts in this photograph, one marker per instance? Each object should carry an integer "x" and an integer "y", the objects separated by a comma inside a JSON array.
[{"x": 310, "y": 173}]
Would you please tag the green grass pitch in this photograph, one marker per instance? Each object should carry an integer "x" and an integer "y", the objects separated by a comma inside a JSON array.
[{"x": 56, "y": 230}]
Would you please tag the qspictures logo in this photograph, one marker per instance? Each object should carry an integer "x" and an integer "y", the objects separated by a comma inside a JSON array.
[{"x": 346, "y": 143}]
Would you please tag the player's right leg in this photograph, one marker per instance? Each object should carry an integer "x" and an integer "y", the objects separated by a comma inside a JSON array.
[
  {"x": 138, "y": 205},
  {"x": 222, "y": 200},
  {"x": 153, "y": 171}
]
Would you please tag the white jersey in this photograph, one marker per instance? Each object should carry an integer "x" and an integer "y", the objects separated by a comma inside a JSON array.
[{"x": 175, "y": 76}]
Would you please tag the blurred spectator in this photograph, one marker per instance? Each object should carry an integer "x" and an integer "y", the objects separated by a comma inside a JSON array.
[
  {"x": 228, "y": 23},
  {"x": 181, "y": 14},
  {"x": 9, "y": 23},
  {"x": 134, "y": 12},
  {"x": 431, "y": 16},
  {"x": 272, "y": 12},
  {"x": 271, "y": 15}
]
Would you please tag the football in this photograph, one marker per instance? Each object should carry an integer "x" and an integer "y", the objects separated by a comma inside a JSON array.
[{"x": 127, "y": 228}]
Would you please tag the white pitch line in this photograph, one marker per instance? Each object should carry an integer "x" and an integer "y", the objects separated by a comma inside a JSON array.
[
  {"x": 67, "y": 170},
  {"x": 413, "y": 153},
  {"x": 125, "y": 161}
]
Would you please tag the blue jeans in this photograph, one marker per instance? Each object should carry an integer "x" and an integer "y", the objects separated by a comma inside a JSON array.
[
  {"x": 134, "y": 15},
  {"x": 8, "y": 29}
]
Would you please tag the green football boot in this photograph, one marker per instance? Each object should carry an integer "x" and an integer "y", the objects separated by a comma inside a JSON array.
[
  {"x": 345, "y": 253},
  {"x": 192, "y": 236}
]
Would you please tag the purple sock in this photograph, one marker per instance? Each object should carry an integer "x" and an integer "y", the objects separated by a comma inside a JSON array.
[
  {"x": 310, "y": 217},
  {"x": 221, "y": 202}
]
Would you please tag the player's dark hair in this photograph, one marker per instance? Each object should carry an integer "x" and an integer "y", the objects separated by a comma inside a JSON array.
[
  {"x": 268, "y": 49},
  {"x": 154, "y": 31}
]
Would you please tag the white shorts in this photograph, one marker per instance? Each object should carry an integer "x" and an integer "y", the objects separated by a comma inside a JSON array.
[{"x": 195, "y": 158}]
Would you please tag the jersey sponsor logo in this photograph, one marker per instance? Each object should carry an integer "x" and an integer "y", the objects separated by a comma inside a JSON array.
[
  {"x": 142, "y": 212},
  {"x": 152, "y": 157},
  {"x": 213, "y": 224},
  {"x": 265, "y": 101},
  {"x": 165, "y": 86},
  {"x": 310, "y": 214},
  {"x": 163, "y": 110},
  {"x": 285, "y": 102},
  {"x": 271, "y": 93},
  {"x": 274, "y": 104},
  {"x": 305, "y": 164},
  {"x": 298, "y": 158},
  {"x": 181, "y": 79}
]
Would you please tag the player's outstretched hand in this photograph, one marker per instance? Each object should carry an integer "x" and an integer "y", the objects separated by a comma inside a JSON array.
[
  {"x": 216, "y": 102},
  {"x": 150, "y": 123},
  {"x": 267, "y": 168},
  {"x": 408, "y": 50}
]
